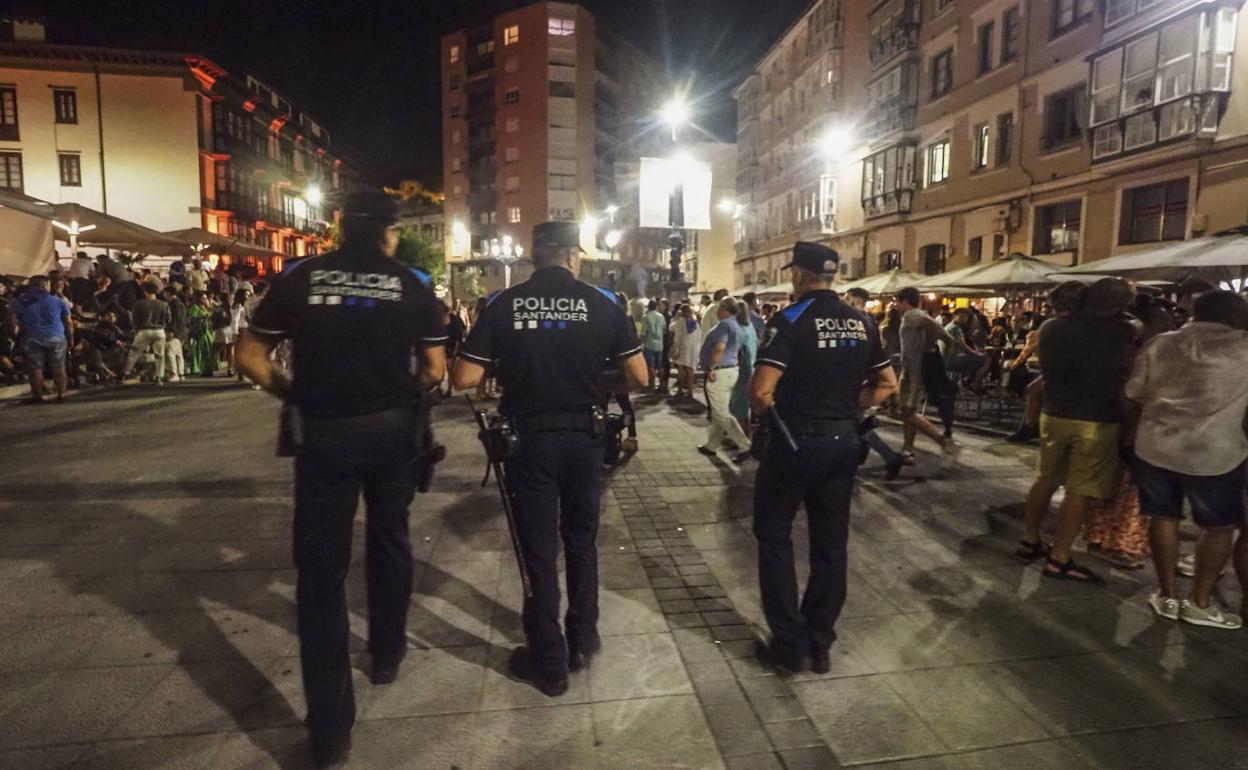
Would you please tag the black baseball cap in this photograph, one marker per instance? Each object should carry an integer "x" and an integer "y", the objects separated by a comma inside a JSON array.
[
  {"x": 557, "y": 235},
  {"x": 815, "y": 257},
  {"x": 375, "y": 206}
]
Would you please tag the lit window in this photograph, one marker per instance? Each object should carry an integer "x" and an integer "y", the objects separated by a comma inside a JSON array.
[
  {"x": 512, "y": 96},
  {"x": 11, "y": 171},
  {"x": 513, "y": 215},
  {"x": 562, "y": 27},
  {"x": 982, "y": 155},
  {"x": 512, "y": 125},
  {"x": 942, "y": 73},
  {"x": 454, "y": 54},
  {"x": 1139, "y": 74},
  {"x": 1011, "y": 26},
  {"x": 511, "y": 35},
  {"x": 511, "y": 154},
  {"x": 1057, "y": 227},
  {"x": 66, "y": 106},
  {"x": 513, "y": 183},
  {"x": 938, "y": 162}
]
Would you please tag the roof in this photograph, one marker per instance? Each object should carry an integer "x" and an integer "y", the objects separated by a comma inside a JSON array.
[{"x": 93, "y": 54}]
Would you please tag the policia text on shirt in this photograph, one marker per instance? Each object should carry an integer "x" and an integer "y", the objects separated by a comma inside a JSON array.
[{"x": 549, "y": 339}]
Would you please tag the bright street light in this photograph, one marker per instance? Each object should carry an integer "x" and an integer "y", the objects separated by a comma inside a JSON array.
[
  {"x": 611, "y": 210},
  {"x": 675, "y": 113},
  {"x": 313, "y": 196},
  {"x": 727, "y": 206},
  {"x": 835, "y": 143},
  {"x": 612, "y": 239}
]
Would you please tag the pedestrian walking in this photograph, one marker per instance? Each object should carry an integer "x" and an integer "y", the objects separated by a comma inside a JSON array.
[
  {"x": 821, "y": 362},
  {"x": 357, "y": 320},
  {"x": 893, "y": 461},
  {"x": 548, "y": 338},
  {"x": 177, "y": 334},
  {"x": 719, "y": 359},
  {"x": 653, "y": 328}
]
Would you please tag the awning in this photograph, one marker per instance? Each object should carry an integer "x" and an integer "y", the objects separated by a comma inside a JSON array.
[
  {"x": 214, "y": 243},
  {"x": 26, "y": 248},
  {"x": 1016, "y": 273},
  {"x": 94, "y": 228},
  {"x": 1221, "y": 257},
  {"x": 883, "y": 284}
]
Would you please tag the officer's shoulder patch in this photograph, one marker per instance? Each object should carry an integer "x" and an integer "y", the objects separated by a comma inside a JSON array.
[
  {"x": 423, "y": 277},
  {"x": 794, "y": 312}
]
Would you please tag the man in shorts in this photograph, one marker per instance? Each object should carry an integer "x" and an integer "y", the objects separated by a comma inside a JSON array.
[
  {"x": 1191, "y": 446},
  {"x": 1084, "y": 358},
  {"x": 46, "y": 333}
]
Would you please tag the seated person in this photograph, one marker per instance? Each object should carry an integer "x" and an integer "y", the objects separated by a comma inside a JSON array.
[{"x": 106, "y": 347}]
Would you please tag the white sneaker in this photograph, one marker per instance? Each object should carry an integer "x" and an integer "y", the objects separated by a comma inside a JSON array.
[
  {"x": 1165, "y": 606},
  {"x": 1213, "y": 616}
]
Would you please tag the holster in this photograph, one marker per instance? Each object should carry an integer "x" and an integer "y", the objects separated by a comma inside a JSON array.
[{"x": 499, "y": 439}]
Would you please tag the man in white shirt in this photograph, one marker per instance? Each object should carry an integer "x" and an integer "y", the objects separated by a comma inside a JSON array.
[{"x": 1191, "y": 444}]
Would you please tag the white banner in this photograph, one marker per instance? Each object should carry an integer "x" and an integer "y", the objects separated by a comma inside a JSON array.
[{"x": 659, "y": 176}]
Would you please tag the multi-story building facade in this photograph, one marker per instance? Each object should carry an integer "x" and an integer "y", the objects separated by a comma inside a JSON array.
[
  {"x": 538, "y": 107},
  {"x": 1068, "y": 130},
  {"x": 169, "y": 141}
]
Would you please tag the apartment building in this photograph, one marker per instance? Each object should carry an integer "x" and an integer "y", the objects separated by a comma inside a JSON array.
[
  {"x": 167, "y": 140},
  {"x": 540, "y": 106},
  {"x": 1069, "y": 130}
]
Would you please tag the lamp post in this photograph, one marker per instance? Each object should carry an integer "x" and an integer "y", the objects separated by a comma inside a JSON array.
[
  {"x": 73, "y": 229},
  {"x": 612, "y": 239},
  {"x": 675, "y": 113},
  {"x": 507, "y": 252}
]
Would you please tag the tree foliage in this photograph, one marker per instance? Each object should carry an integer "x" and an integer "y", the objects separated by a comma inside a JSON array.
[{"x": 417, "y": 250}]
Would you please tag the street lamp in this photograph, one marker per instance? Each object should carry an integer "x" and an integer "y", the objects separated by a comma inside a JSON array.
[
  {"x": 675, "y": 113},
  {"x": 612, "y": 239},
  {"x": 508, "y": 252},
  {"x": 73, "y": 229},
  {"x": 611, "y": 212},
  {"x": 313, "y": 195},
  {"x": 834, "y": 145},
  {"x": 589, "y": 232}
]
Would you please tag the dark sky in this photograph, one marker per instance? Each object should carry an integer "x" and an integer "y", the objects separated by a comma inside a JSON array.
[{"x": 368, "y": 69}]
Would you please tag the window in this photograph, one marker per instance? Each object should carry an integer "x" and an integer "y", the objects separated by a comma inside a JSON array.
[
  {"x": 1139, "y": 73},
  {"x": 511, "y": 35},
  {"x": 1178, "y": 118},
  {"x": 1062, "y": 112},
  {"x": 1154, "y": 213},
  {"x": 1139, "y": 131},
  {"x": 888, "y": 180},
  {"x": 984, "y": 37},
  {"x": 1176, "y": 58},
  {"x": 975, "y": 251},
  {"x": 998, "y": 245},
  {"x": 943, "y": 4},
  {"x": 455, "y": 136},
  {"x": 561, "y": 27},
  {"x": 1106, "y": 87},
  {"x": 512, "y": 125},
  {"x": 983, "y": 155},
  {"x": 454, "y": 54},
  {"x": 511, "y": 154},
  {"x": 71, "y": 170},
  {"x": 454, "y": 110},
  {"x": 511, "y": 96},
  {"x": 513, "y": 215},
  {"x": 454, "y": 82},
  {"x": 942, "y": 73},
  {"x": 1117, "y": 10},
  {"x": 1011, "y": 29},
  {"x": 1106, "y": 140},
  {"x": 486, "y": 48},
  {"x": 66, "y": 103},
  {"x": 455, "y": 163},
  {"x": 890, "y": 260},
  {"x": 1005, "y": 137},
  {"x": 561, "y": 89},
  {"x": 891, "y": 100},
  {"x": 937, "y": 162},
  {"x": 1067, "y": 14},
  {"x": 1057, "y": 227},
  {"x": 513, "y": 183},
  {"x": 11, "y": 171},
  {"x": 562, "y": 182},
  {"x": 8, "y": 115},
  {"x": 933, "y": 258}
]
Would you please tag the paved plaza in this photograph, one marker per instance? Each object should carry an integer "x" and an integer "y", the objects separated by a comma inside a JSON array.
[{"x": 146, "y": 617}]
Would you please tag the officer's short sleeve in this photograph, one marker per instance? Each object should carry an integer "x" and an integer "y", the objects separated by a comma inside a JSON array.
[
  {"x": 777, "y": 344},
  {"x": 479, "y": 347},
  {"x": 276, "y": 315},
  {"x": 430, "y": 330},
  {"x": 624, "y": 340},
  {"x": 879, "y": 359}
]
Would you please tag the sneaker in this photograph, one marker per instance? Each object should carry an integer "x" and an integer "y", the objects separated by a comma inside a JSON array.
[
  {"x": 706, "y": 450},
  {"x": 1164, "y": 606},
  {"x": 522, "y": 667},
  {"x": 893, "y": 468},
  {"x": 952, "y": 450},
  {"x": 1212, "y": 616}
]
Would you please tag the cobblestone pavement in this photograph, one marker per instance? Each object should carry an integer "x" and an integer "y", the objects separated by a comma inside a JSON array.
[{"x": 146, "y": 618}]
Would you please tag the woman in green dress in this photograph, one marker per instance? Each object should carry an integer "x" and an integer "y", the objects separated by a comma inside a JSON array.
[
  {"x": 199, "y": 353},
  {"x": 739, "y": 405}
]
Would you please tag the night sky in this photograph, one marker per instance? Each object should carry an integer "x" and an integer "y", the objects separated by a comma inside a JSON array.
[{"x": 369, "y": 69}]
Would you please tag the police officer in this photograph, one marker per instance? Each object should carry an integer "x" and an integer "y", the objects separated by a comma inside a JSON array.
[
  {"x": 548, "y": 339},
  {"x": 358, "y": 320},
  {"x": 821, "y": 362}
]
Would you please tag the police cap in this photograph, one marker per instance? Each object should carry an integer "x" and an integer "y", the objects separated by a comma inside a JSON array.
[
  {"x": 557, "y": 235},
  {"x": 374, "y": 206},
  {"x": 815, "y": 257}
]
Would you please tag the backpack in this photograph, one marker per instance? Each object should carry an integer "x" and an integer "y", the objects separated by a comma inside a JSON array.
[{"x": 222, "y": 318}]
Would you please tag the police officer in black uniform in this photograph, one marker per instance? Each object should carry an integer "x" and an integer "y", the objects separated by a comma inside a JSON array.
[
  {"x": 368, "y": 339},
  {"x": 548, "y": 339},
  {"x": 820, "y": 363}
]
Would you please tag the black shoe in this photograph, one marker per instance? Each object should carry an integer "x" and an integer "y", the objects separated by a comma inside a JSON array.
[
  {"x": 579, "y": 658},
  {"x": 820, "y": 660},
  {"x": 1025, "y": 434},
  {"x": 521, "y": 666},
  {"x": 385, "y": 671},
  {"x": 743, "y": 457},
  {"x": 781, "y": 657},
  {"x": 333, "y": 755},
  {"x": 706, "y": 450},
  {"x": 892, "y": 469}
]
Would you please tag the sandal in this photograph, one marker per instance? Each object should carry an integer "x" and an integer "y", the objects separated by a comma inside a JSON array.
[
  {"x": 1069, "y": 571},
  {"x": 1029, "y": 552}
]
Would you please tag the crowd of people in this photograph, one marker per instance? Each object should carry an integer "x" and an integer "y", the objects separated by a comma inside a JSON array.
[{"x": 101, "y": 321}]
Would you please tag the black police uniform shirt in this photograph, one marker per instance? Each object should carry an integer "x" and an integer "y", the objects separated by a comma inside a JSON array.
[
  {"x": 355, "y": 317},
  {"x": 550, "y": 338},
  {"x": 826, "y": 350}
]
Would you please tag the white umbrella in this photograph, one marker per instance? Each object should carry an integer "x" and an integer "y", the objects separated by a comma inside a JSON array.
[
  {"x": 883, "y": 284},
  {"x": 1017, "y": 273},
  {"x": 1217, "y": 257}
]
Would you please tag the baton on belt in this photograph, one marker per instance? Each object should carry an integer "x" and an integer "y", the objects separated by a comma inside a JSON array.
[
  {"x": 782, "y": 428},
  {"x": 494, "y": 440}
]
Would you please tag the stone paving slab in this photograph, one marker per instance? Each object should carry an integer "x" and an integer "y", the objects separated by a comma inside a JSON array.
[{"x": 146, "y": 617}]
